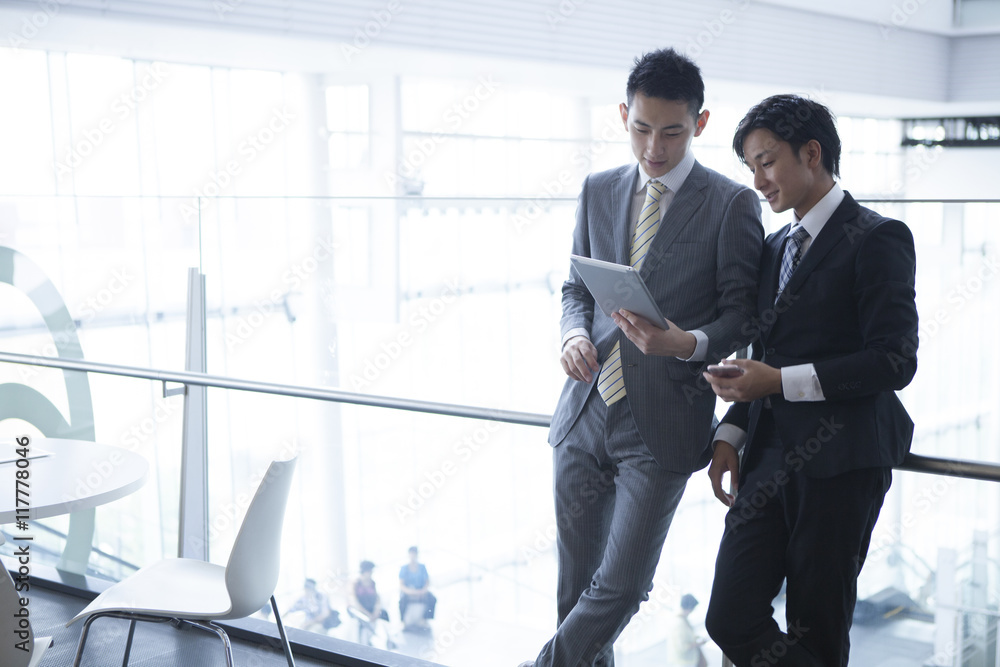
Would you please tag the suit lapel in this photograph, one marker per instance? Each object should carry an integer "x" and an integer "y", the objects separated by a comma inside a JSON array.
[
  {"x": 833, "y": 232},
  {"x": 685, "y": 204},
  {"x": 621, "y": 203}
]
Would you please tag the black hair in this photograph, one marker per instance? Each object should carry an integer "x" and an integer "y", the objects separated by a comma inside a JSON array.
[
  {"x": 668, "y": 75},
  {"x": 796, "y": 120}
]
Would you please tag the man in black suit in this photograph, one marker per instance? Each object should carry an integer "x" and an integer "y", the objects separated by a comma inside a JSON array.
[{"x": 836, "y": 337}]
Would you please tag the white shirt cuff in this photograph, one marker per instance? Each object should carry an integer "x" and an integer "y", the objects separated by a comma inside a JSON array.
[
  {"x": 799, "y": 383},
  {"x": 734, "y": 435},
  {"x": 700, "y": 346},
  {"x": 579, "y": 331}
]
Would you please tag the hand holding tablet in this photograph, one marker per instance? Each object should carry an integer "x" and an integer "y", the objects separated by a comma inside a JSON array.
[{"x": 618, "y": 287}]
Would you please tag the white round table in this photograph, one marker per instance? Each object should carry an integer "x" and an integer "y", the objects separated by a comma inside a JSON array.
[{"x": 65, "y": 476}]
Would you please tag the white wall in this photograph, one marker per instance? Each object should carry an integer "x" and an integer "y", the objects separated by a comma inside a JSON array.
[
  {"x": 737, "y": 40},
  {"x": 953, "y": 173}
]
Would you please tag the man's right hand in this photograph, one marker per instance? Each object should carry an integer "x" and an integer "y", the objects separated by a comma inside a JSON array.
[
  {"x": 725, "y": 459},
  {"x": 579, "y": 359}
]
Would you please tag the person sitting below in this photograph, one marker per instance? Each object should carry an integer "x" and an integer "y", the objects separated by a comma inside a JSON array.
[
  {"x": 366, "y": 606},
  {"x": 416, "y": 602},
  {"x": 319, "y": 616}
]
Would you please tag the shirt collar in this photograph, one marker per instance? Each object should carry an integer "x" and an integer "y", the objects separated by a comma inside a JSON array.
[
  {"x": 816, "y": 218},
  {"x": 674, "y": 178}
]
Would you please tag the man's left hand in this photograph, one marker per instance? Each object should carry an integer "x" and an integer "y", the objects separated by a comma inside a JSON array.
[{"x": 670, "y": 342}]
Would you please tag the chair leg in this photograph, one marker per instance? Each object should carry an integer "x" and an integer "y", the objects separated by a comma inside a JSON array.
[
  {"x": 133, "y": 617},
  {"x": 281, "y": 631},
  {"x": 212, "y": 627},
  {"x": 83, "y": 640},
  {"x": 128, "y": 643}
]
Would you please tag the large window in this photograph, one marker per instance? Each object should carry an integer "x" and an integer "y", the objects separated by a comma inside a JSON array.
[{"x": 118, "y": 175}]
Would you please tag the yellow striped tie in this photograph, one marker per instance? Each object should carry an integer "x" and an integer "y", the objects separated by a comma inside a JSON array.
[{"x": 610, "y": 383}]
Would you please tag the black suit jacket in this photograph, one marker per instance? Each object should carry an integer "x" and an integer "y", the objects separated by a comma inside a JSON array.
[{"x": 848, "y": 309}]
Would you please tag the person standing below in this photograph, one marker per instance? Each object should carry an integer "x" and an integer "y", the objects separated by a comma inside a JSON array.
[
  {"x": 683, "y": 646},
  {"x": 635, "y": 419},
  {"x": 816, "y": 406},
  {"x": 415, "y": 595}
]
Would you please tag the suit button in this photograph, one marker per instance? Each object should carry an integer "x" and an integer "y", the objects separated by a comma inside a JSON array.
[{"x": 769, "y": 351}]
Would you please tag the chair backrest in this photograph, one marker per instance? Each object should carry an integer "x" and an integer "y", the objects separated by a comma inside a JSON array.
[{"x": 252, "y": 571}]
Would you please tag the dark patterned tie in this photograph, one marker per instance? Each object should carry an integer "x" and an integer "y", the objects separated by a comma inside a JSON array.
[{"x": 790, "y": 260}]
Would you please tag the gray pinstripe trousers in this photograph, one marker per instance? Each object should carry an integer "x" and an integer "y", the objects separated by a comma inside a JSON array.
[{"x": 614, "y": 504}]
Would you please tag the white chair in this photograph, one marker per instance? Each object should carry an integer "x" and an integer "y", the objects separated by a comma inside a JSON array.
[
  {"x": 187, "y": 590},
  {"x": 20, "y": 647}
]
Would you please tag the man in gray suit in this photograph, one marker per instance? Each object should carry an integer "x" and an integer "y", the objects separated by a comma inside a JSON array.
[{"x": 635, "y": 418}]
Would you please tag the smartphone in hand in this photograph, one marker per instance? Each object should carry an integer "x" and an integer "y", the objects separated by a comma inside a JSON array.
[{"x": 724, "y": 370}]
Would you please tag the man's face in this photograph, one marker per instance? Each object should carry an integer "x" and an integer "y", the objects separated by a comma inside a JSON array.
[
  {"x": 660, "y": 131},
  {"x": 781, "y": 174}
]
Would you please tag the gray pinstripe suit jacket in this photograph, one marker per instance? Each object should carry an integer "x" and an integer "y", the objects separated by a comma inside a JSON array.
[{"x": 702, "y": 271}]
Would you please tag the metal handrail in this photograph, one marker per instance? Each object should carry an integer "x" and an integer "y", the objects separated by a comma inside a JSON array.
[
  {"x": 297, "y": 391},
  {"x": 526, "y": 198},
  {"x": 989, "y": 472}
]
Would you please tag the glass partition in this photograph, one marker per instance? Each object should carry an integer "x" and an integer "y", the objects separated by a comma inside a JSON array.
[{"x": 457, "y": 301}]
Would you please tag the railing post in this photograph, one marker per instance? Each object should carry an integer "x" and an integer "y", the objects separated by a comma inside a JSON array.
[
  {"x": 192, "y": 538},
  {"x": 947, "y": 635},
  {"x": 978, "y": 596}
]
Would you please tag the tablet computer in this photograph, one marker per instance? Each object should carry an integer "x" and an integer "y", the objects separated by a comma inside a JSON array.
[{"x": 616, "y": 287}]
